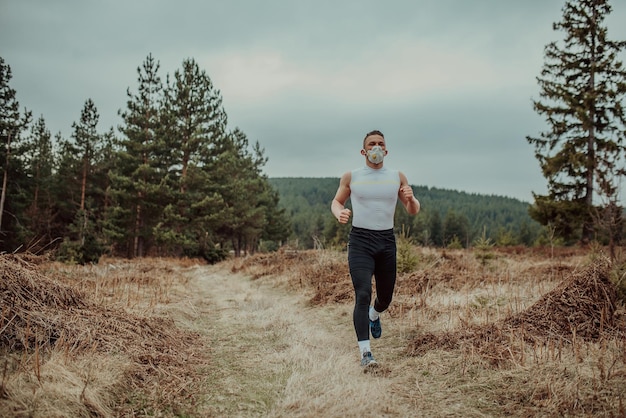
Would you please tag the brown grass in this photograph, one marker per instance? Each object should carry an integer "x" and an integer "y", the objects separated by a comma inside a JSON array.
[
  {"x": 583, "y": 306},
  {"x": 530, "y": 332},
  {"x": 67, "y": 317},
  {"x": 549, "y": 325}
]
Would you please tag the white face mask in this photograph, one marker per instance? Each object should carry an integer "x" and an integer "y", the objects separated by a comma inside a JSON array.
[{"x": 376, "y": 155}]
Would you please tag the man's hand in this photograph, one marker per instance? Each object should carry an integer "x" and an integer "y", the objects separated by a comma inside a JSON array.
[
  {"x": 407, "y": 191},
  {"x": 344, "y": 216},
  {"x": 409, "y": 201}
]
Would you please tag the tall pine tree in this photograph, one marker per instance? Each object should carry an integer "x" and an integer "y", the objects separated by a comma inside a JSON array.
[
  {"x": 141, "y": 165},
  {"x": 78, "y": 172},
  {"x": 39, "y": 160},
  {"x": 582, "y": 153},
  {"x": 194, "y": 116},
  {"x": 12, "y": 124},
  {"x": 194, "y": 123}
]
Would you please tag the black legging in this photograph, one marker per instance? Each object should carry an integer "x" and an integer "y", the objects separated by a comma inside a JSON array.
[{"x": 371, "y": 253}]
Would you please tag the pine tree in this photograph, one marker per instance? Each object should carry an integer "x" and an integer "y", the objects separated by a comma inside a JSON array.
[
  {"x": 277, "y": 225},
  {"x": 12, "y": 124},
  {"x": 193, "y": 115},
  {"x": 78, "y": 173},
  {"x": 66, "y": 182},
  {"x": 141, "y": 165},
  {"x": 582, "y": 88},
  {"x": 39, "y": 159},
  {"x": 194, "y": 123},
  {"x": 435, "y": 227},
  {"x": 87, "y": 142},
  {"x": 456, "y": 227}
]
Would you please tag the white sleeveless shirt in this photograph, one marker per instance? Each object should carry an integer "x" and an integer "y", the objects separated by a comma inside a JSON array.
[{"x": 374, "y": 194}]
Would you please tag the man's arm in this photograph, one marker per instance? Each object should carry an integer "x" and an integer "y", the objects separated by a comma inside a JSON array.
[
  {"x": 405, "y": 194},
  {"x": 343, "y": 193}
]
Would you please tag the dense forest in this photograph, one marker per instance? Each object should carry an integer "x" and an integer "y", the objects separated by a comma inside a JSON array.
[
  {"x": 174, "y": 180},
  {"x": 447, "y": 217}
]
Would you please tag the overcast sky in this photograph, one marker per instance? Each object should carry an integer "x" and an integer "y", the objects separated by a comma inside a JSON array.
[{"x": 449, "y": 82}]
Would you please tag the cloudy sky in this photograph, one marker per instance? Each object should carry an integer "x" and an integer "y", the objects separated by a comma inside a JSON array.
[{"x": 449, "y": 82}]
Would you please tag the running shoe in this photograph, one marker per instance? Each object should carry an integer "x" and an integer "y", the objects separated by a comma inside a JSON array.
[
  {"x": 376, "y": 328},
  {"x": 368, "y": 360}
]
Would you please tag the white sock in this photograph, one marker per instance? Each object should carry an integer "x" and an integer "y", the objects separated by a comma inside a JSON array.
[
  {"x": 364, "y": 347},
  {"x": 374, "y": 314}
]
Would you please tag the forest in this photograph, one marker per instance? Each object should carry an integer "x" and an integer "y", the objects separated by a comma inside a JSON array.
[
  {"x": 174, "y": 181},
  {"x": 448, "y": 218}
]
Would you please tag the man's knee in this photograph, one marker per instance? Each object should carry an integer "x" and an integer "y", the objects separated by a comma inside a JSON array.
[
  {"x": 382, "y": 303},
  {"x": 363, "y": 297}
]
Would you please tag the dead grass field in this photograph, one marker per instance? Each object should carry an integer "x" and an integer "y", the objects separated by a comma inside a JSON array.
[{"x": 527, "y": 332}]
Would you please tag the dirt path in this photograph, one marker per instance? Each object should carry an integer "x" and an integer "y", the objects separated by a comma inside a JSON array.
[{"x": 273, "y": 355}]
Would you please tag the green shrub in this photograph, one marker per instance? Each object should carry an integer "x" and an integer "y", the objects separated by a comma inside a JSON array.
[
  {"x": 455, "y": 244},
  {"x": 483, "y": 246},
  {"x": 75, "y": 252},
  {"x": 407, "y": 259}
]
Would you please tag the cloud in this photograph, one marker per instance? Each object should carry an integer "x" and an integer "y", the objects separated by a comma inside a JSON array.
[
  {"x": 401, "y": 71},
  {"x": 450, "y": 82}
]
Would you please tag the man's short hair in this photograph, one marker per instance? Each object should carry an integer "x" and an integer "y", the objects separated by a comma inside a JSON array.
[{"x": 374, "y": 132}]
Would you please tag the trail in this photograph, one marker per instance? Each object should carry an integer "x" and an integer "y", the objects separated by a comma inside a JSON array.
[{"x": 272, "y": 354}]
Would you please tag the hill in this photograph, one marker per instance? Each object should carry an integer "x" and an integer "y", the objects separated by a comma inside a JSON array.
[{"x": 445, "y": 214}]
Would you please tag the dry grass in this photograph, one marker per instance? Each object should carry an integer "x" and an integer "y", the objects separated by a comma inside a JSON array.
[
  {"x": 61, "y": 330},
  {"x": 527, "y": 333}
]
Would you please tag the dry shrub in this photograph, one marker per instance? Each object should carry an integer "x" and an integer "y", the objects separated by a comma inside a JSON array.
[
  {"x": 583, "y": 306},
  {"x": 324, "y": 273},
  {"x": 452, "y": 269},
  {"x": 542, "y": 252},
  {"x": 135, "y": 284},
  {"x": 269, "y": 264},
  {"x": 550, "y": 270},
  {"x": 34, "y": 308},
  {"x": 43, "y": 316},
  {"x": 330, "y": 278}
]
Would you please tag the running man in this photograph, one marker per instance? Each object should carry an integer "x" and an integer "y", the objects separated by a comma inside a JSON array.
[{"x": 373, "y": 191}]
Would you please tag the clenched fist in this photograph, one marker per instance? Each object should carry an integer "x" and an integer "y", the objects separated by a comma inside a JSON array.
[
  {"x": 344, "y": 216},
  {"x": 407, "y": 191}
]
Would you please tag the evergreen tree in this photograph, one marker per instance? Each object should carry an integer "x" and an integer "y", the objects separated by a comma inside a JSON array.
[
  {"x": 419, "y": 229},
  {"x": 194, "y": 116},
  {"x": 80, "y": 159},
  {"x": 195, "y": 123},
  {"x": 66, "y": 183},
  {"x": 525, "y": 234},
  {"x": 12, "y": 124},
  {"x": 456, "y": 227},
  {"x": 139, "y": 178},
  {"x": 582, "y": 89},
  {"x": 436, "y": 229},
  {"x": 87, "y": 143},
  {"x": 237, "y": 173},
  {"x": 103, "y": 189},
  {"x": 39, "y": 160},
  {"x": 277, "y": 225}
]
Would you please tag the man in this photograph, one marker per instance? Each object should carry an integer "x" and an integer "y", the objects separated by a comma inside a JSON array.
[{"x": 373, "y": 191}]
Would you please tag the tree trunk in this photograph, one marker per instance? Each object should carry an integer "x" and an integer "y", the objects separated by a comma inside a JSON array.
[
  {"x": 83, "y": 187},
  {"x": 138, "y": 240},
  {"x": 5, "y": 179}
]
